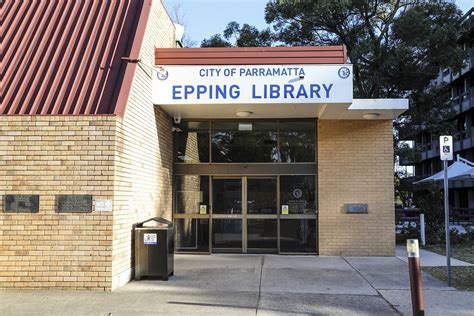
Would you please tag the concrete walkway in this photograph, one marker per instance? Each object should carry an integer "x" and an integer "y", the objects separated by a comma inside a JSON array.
[
  {"x": 255, "y": 285},
  {"x": 431, "y": 259}
]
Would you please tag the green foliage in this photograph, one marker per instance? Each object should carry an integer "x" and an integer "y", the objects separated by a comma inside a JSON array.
[
  {"x": 215, "y": 41},
  {"x": 407, "y": 233},
  {"x": 395, "y": 46},
  {"x": 245, "y": 36}
]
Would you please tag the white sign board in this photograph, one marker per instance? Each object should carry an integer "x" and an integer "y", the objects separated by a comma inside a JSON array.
[
  {"x": 254, "y": 84},
  {"x": 103, "y": 205},
  {"x": 446, "y": 147},
  {"x": 150, "y": 239}
]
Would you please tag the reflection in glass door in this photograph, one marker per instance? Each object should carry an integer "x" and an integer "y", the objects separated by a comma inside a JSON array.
[
  {"x": 251, "y": 226},
  {"x": 246, "y": 214},
  {"x": 262, "y": 223},
  {"x": 227, "y": 215}
]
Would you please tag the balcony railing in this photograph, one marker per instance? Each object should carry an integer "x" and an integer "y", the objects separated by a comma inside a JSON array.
[{"x": 463, "y": 102}]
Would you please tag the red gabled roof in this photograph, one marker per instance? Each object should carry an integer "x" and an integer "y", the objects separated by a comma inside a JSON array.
[
  {"x": 251, "y": 55},
  {"x": 65, "y": 56}
]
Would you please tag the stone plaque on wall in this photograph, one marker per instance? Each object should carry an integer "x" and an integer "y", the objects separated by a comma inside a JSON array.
[
  {"x": 21, "y": 203},
  {"x": 74, "y": 203},
  {"x": 357, "y": 208}
]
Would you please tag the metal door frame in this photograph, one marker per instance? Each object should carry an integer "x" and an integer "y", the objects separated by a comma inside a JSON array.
[
  {"x": 209, "y": 216},
  {"x": 226, "y": 216},
  {"x": 244, "y": 217},
  {"x": 264, "y": 216}
]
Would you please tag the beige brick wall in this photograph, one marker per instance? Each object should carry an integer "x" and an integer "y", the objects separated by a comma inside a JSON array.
[
  {"x": 51, "y": 155},
  {"x": 128, "y": 160},
  {"x": 355, "y": 165},
  {"x": 144, "y": 164}
]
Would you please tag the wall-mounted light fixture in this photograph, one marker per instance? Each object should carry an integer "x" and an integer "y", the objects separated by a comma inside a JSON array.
[
  {"x": 243, "y": 113},
  {"x": 371, "y": 116}
]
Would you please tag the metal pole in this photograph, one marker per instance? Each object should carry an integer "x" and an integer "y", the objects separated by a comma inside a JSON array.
[
  {"x": 446, "y": 221},
  {"x": 413, "y": 253},
  {"x": 422, "y": 229}
]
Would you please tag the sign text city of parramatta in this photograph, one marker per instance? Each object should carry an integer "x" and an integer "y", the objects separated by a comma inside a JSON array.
[{"x": 253, "y": 84}]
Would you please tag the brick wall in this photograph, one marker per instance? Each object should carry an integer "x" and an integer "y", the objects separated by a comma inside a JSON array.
[
  {"x": 355, "y": 165},
  {"x": 144, "y": 164},
  {"x": 128, "y": 160},
  {"x": 51, "y": 155}
]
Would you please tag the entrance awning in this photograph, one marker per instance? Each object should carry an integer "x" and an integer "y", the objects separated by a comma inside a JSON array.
[
  {"x": 378, "y": 109},
  {"x": 460, "y": 169}
]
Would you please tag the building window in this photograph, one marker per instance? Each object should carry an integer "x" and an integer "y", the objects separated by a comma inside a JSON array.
[
  {"x": 244, "y": 142},
  {"x": 297, "y": 141},
  {"x": 192, "y": 234},
  {"x": 192, "y": 194},
  {"x": 298, "y": 194},
  {"x": 192, "y": 142}
]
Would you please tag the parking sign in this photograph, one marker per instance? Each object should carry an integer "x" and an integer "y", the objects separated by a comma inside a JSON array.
[{"x": 446, "y": 147}]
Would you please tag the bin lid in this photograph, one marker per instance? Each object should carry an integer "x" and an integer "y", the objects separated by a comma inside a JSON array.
[{"x": 155, "y": 222}]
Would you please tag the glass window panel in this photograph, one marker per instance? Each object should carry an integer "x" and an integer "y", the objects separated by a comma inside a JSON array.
[
  {"x": 227, "y": 196},
  {"x": 192, "y": 234},
  {"x": 227, "y": 233},
  {"x": 262, "y": 233},
  {"x": 191, "y": 194},
  {"x": 192, "y": 142},
  {"x": 262, "y": 196},
  {"x": 298, "y": 235},
  {"x": 244, "y": 142},
  {"x": 298, "y": 141},
  {"x": 297, "y": 193}
]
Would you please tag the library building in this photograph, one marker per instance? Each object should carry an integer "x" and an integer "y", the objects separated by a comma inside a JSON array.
[{"x": 106, "y": 121}]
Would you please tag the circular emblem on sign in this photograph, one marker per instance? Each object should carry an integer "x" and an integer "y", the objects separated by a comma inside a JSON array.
[
  {"x": 297, "y": 193},
  {"x": 162, "y": 74},
  {"x": 344, "y": 72}
]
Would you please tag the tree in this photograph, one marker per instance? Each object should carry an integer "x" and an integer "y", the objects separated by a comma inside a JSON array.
[
  {"x": 179, "y": 17},
  {"x": 394, "y": 46},
  {"x": 245, "y": 36}
]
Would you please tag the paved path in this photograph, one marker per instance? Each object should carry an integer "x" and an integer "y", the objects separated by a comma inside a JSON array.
[
  {"x": 255, "y": 285},
  {"x": 431, "y": 259}
]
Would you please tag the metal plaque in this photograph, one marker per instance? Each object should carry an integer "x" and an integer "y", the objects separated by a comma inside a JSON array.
[
  {"x": 357, "y": 208},
  {"x": 74, "y": 203},
  {"x": 21, "y": 203}
]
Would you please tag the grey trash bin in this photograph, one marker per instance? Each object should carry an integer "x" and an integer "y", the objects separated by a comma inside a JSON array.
[{"x": 154, "y": 249}]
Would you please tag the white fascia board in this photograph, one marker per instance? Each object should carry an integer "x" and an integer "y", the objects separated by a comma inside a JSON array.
[{"x": 379, "y": 104}]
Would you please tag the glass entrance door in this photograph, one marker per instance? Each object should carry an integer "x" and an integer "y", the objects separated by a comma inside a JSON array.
[
  {"x": 262, "y": 221},
  {"x": 244, "y": 215},
  {"x": 227, "y": 215}
]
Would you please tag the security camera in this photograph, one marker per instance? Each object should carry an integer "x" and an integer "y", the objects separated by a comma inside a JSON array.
[{"x": 177, "y": 119}]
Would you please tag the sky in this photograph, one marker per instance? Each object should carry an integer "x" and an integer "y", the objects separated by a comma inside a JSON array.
[{"x": 204, "y": 18}]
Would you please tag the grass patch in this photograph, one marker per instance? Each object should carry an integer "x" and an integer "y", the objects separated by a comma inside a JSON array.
[
  {"x": 464, "y": 252},
  {"x": 462, "y": 278}
]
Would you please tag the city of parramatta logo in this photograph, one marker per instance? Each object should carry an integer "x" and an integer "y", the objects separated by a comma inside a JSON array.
[
  {"x": 344, "y": 72},
  {"x": 297, "y": 193},
  {"x": 162, "y": 74}
]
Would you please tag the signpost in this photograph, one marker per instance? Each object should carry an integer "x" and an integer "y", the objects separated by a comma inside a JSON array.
[{"x": 446, "y": 153}]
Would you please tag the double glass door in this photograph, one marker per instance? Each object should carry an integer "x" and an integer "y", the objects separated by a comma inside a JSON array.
[
  {"x": 249, "y": 214},
  {"x": 244, "y": 214}
]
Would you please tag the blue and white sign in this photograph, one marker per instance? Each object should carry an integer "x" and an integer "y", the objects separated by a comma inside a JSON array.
[
  {"x": 150, "y": 239},
  {"x": 446, "y": 147},
  {"x": 253, "y": 84}
]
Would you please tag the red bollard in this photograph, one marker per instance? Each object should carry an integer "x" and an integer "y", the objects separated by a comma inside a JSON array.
[{"x": 413, "y": 253}]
